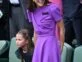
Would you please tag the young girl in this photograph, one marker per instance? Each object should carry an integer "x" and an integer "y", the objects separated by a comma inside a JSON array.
[
  {"x": 24, "y": 44},
  {"x": 45, "y": 16}
]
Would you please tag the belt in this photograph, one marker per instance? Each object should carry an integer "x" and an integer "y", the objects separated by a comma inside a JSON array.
[{"x": 15, "y": 5}]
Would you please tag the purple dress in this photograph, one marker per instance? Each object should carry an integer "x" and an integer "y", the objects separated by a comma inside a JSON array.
[{"x": 44, "y": 20}]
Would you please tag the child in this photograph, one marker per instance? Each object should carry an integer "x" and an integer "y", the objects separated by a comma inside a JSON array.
[
  {"x": 45, "y": 16},
  {"x": 25, "y": 49}
]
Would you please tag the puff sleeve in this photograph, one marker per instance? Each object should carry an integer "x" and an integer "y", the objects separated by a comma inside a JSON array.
[{"x": 55, "y": 12}]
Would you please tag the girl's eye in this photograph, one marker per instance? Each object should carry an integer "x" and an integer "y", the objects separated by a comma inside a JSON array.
[{"x": 19, "y": 39}]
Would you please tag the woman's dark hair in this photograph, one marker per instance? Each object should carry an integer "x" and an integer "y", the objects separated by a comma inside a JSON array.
[
  {"x": 25, "y": 33},
  {"x": 32, "y": 5}
]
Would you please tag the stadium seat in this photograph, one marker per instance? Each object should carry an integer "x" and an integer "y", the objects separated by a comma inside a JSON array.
[
  {"x": 13, "y": 48},
  {"x": 67, "y": 53},
  {"x": 4, "y": 46},
  {"x": 78, "y": 54},
  {"x": 4, "y": 60}
]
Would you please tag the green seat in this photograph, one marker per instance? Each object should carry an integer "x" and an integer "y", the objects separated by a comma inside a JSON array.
[
  {"x": 67, "y": 53},
  {"x": 4, "y": 60},
  {"x": 13, "y": 48},
  {"x": 4, "y": 46},
  {"x": 78, "y": 54}
]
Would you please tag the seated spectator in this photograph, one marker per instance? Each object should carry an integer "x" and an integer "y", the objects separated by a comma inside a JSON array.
[{"x": 25, "y": 49}]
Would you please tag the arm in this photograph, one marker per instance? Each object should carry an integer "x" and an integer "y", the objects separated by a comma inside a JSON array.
[
  {"x": 35, "y": 38},
  {"x": 60, "y": 26}
]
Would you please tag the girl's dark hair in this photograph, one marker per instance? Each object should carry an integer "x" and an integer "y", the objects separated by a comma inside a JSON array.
[
  {"x": 25, "y": 33},
  {"x": 32, "y": 5}
]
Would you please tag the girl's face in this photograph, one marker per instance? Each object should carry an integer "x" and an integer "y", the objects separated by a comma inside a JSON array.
[
  {"x": 39, "y": 2},
  {"x": 20, "y": 41}
]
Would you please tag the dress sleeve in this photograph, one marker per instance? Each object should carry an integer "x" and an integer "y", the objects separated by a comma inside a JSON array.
[
  {"x": 29, "y": 16},
  {"x": 55, "y": 12}
]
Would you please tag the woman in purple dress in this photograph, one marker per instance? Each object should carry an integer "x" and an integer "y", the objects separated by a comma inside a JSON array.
[{"x": 45, "y": 16}]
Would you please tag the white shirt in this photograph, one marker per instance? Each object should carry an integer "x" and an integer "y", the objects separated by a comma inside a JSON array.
[{"x": 14, "y": 1}]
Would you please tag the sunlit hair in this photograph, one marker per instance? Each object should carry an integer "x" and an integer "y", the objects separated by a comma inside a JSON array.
[
  {"x": 25, "y": 33},
  {"x": 32, "y": 6}
]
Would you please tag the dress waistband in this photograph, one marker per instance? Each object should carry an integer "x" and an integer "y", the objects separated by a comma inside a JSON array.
[{"x": 43, "y": 35}]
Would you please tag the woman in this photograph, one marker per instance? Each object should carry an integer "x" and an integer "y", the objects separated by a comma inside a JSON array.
[{"x": 44, "y": 16}]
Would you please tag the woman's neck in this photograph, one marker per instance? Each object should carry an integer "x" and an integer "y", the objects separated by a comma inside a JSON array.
[{"x": 39, "y": 5}]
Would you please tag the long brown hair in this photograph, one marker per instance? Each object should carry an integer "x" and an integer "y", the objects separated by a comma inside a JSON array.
[
  {"x": 32, "y": 6},
  {"x": 25, "y": 33}
]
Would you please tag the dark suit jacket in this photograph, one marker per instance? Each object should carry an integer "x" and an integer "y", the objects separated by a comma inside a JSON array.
[
  {"x": 4, "y": 6},
  {"x": 24, "y": 4},
  {"x": 70, "y": 7},
  {"x": 4, "y": 21}
]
